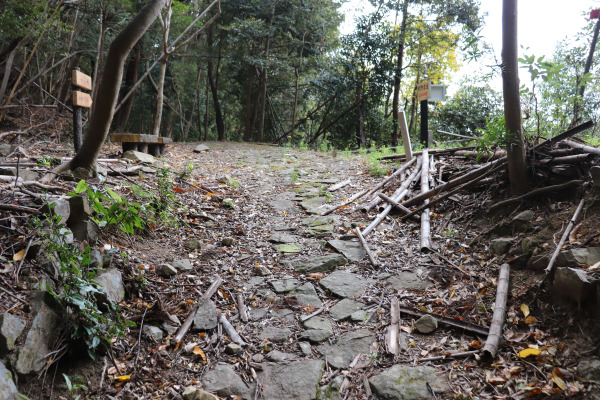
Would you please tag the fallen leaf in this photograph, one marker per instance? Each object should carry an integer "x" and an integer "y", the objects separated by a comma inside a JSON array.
[
  {"x": 198, "y": 351},
  {"x": 525, "y": 309},
  {"x": 123, "y": 378},
  {"x": 529, "y": 352},
  {"x": 19, "y": 256},
  {"x": 558, "y": 381},
  {"x": 530, "y": 320}
]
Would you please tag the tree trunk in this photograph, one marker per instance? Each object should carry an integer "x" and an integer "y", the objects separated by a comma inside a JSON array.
[
  {"x": 248, "y": 107},
  {"x": 165, "y": 22},
  {"x": 98, "y": 64},
  {"x": 212, "y": 80},
  {"x": 398, "y": 74},
  {"x": 517, "y": 163},
  {"x": 362, "y": 141},
  {"x": 131, "y": 77},
  {"x": 8, "y": 68},
  {"x": 108, "y": 90}
]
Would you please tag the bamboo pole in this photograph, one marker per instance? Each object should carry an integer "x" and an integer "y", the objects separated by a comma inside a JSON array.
[
  {"x": 393, "y": 331},
  {"x": 536, "y": 192},
  {"x": 580, "y": 146},
  {"x": 366, "y": 247},
  {"x": 425, "y": 222},
  {"x": 490, "y": 349}
]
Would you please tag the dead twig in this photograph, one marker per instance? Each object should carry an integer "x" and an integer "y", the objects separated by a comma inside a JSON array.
[
  {"x": 490, "y": 349},
  {"x": 366, "y": 247}
]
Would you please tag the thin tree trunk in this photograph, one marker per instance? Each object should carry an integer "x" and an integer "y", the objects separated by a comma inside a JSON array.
[
  {"x": 398, "y": 74},
  {"x": 517, "y": 163},
  {"x": 165, "y": 22},
  {"x": 362, "y": 141},
  {"x": 8, "y": 68},
  {"x": 212, "y": 80},
  {"x": 248, "y": 106},
  {"x": 98, "y": 64},
  {"x": 131, "y": 77}
]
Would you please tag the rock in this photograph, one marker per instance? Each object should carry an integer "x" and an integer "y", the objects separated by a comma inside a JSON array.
[
  {"x": 426, "y": 324},
  {"x": 585, "y": 256},
  {"x": 257, "y": 314},
  {"x": 523, "y": 217},
  {"x": 500, "y": 246},
  {"x": 289, "y": 248},
  {"x": 316, "y": 335},
  {"x": 570, "y": 171},
  {"x": 200, "y": 148},
  {"x": 167, "y": 270},
  {"x": 278, "y": 356},
  {"x": 25, "y": 174},
  {"x": 574, "y": 285},
  {"x": 344, "y": 309},
  {"x": 153, "y": 332},
  {"x": 595, "y": 172},
  {"x": 284, "y": 315},
  {"x": 407, "y": 383},
  {"x": 96, "y": 259},
  {"x": 183, "y": 265},
  {"x": 79, "y": 210},
  {"x": 275, "y": 335},
  {"x": 282, "y": 237},
  {"x": 170, "y": 329},
  {"x": 5, "y": 149},
  {"x": 529, "y": 244},
  {"x": 258, "y": 358},
  {"x": 261, "y": 270},
  {"x": 319, "y": 230},
  {"x": 321, "y": 264},
  {"x": 285, "y": 285},
  {"x": 306, "y": 348},
  {"x": 408, "y": 280},
  {"x": 359, "y": 316},
  {"x": 85, "y": 231},
  {"x": 341, "y": 354},
  {"x": 41, "y": 336},
  {"x": 353, "y": 251},
  {"x": 291, "y": 380},
  {"x": 10, "y": 329},
  {"x": 206, "y": 317},
  {"x": 227, "y": 242},
  {"x": 589, "y": 370},
  {"x": 194, "y": 393},
  {"x": 8, "y": 389},
  {"x": 193, "y": 244},
  {"x": 344, "y": 284},
  {"x": 317, "y": 220},
  {"x": 60, "y": 207},
  {"x": 111, "y": 283},
  {"x": 306, "y": 295},
  {"x": 318, "y": 323},
  {"x": 313, "y": 205},
  {"x": 140, "y": 157},
  {"x": 233, "y": 349},
  {"x": 224, "y": 382}
]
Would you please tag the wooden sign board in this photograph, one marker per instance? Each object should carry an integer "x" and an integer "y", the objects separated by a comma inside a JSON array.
[
  {"x": 81, "y": 99},
  {"x": 81, "y": 80},
  {"x": 423, "y": 91}
]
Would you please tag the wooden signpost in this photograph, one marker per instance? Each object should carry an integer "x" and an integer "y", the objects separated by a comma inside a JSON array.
[
  {"x": 426, "y": 92},
  {"x": 81, "y": 100}
]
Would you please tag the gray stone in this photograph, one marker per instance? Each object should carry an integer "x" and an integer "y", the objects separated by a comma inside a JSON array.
[
  {"x": 261, "y": 270},
  {"x": 291, "y": 380},
  {"x": 111, "y": 283},
  {"x": 153, "y": 332},
  {"x": 193, "y": 244},
  {"x": 289, "y": 248},
  {"x": 40, "y": 337},
  {"x": 589, "y": 370},
  {"x": 85, "y": 231},
  {"x": 282, "y": 205},
  {"x": 170, "y": 329},
  {"x": 344, "y": 309},
  {"x": 96, "y": 259},
  {"x": 279, "y": 356},
  {"x": 285, "y": 285},
  {"x": 574, "y": 285},
  {"x": 570, "y": 171},
  {"x": 8, "y": 389},
  {"x": 322, "y": 264},
  {"x": 341, "y": 354},
  {"x": 359, "y": 316},
  {"x": 183, "y": 265},
  {"x": 407, "y": 383},
  {"x": 500, "y": 246},
  {"x": 353, "y": 251},
  {"x": 194, "y": 393},
  {"x": 282, "y": 237},
  {"x": 25, "y": 174},
  {"x": 595, "y": 172},
  {"x": 529, "y": 244},
  {"x": 233, "y": 349},
  {"x": 316, "y": 335},
  {"x": 426, "y": 324},
  {"x": 224, "y": 382},
  {"x": 407, "y": 280},
  {"x": 167, "y": 270},
  {"x": 306, "y": 348},
  {"x": 257, "y": 314},
  {"x": 60, "y": 207},
  {"x": 227, "y": 242},
  {"x": 319, "y": 230},
  {"x": 313, "y": 205},
  {"x": 578, "y": 257},
  {"x": 523, "y": 217},
  {"x": 275, "y": 335},
  {"x": 538, "y": 263},
  {"x": 10, "y": 329},
  {"x": 317, "y": 221},
  {"x": 138, "y": 156},
  {"x": 318, "y": 323},
  {"x": 5, "y": 149},
  {"x": 200, "y": 148},
  {"x": 206, "y": 317},
  {"x": 79, "y": 209},
  {"x": 344, "y": 284},
  {"x": 284, "y": 315},
  {"x": 306, "y": 295}
]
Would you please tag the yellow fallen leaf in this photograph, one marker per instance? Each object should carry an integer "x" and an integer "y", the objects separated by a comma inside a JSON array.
[
  {"x": 525, "y": 309},
  {"x": 123, "y": 378},
  {"x": 198, "y": 351},
  {"x": 529, "y": 320},
  {"x": 19, "y": 256},
  {"x": 559, "y": 381},
  {"x": 529, "y": 352}
]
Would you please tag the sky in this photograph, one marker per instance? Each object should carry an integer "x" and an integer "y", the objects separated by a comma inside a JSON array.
[{"x": 542, "y": 23}]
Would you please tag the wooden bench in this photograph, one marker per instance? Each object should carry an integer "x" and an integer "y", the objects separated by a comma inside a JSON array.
[{"x": 151, "y": 144}]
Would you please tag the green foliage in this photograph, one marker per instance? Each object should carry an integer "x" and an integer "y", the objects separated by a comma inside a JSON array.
[
  {"x": 74, "y": 387},
  {"x": 494, "y": 136}
]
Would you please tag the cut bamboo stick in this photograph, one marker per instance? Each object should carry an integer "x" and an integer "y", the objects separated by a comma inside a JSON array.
[
  {"x": 580, "y": 146},
  {"x": 366, "y": 247},
  {"x": 490, "y": 349},
  {"x": 393, "y": 331},
  {"x": 425, "y": 223}
]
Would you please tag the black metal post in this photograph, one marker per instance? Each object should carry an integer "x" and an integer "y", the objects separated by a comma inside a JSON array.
[{"x": 424, "y": 124}]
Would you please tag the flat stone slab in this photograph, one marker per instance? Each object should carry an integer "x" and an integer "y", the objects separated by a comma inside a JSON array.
[
  {"x": 284, "y": 285},
  {"x": 321, "y": 264},
  {"x": 289, "y": 248},
  {"x": 313, "y": 205},
  {"x": 10, "y": 329},
  {"x": 282, "y": 237},
  {"x": 344, "y": 309},
  {"x": 317, "y": 221},
  {"x": 8, "y": 389},
  {"x": 291, "y": 380},
  {"x": 319, "y": 230},
  {"x": 353, "y": 251},
  {"x": 200, "y": 148},
  {"x": 407, "y": 280},
  {"x": 282, "y": 205},
  {"x": 224, "y": 382},
  {"x": 318, "y": 323},
  {"x": 341, "y": 354},
  {"x": 407, "y": 383},
  {"x": 344, "y": 284},
  {"x": 206, "y": 317},
  {"x": 306, "y": 295},
  {"x": 316, "y": 335},
  {"x": 276, "y": 335}
]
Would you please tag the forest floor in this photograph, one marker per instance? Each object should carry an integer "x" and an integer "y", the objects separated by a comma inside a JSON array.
[{"x": 249, "y": 215}]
